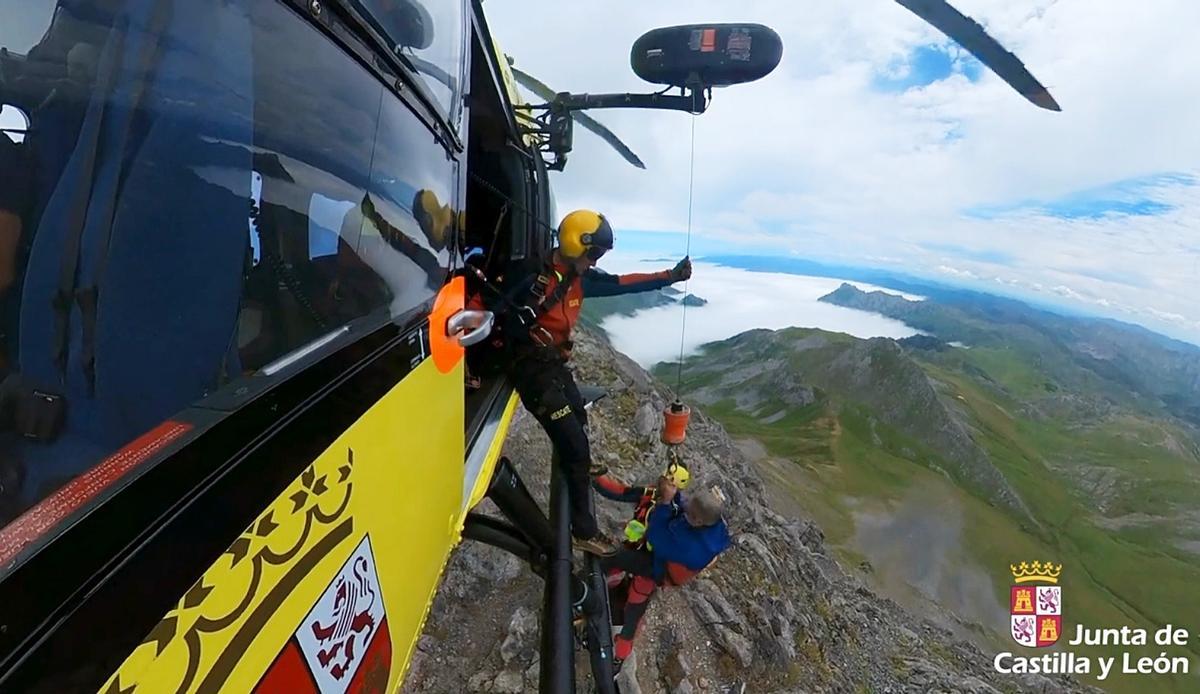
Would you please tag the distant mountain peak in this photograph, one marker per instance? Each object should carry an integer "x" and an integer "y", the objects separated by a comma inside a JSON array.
[
  {"x": 848, "y": 293},
  {"x": 843, "y": 292}
]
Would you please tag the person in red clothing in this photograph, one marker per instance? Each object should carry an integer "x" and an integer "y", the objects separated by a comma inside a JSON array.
[
  {"x": 544, "y": 309},
  {"x": 671, "y": 539},
  {"x": 668, "y": 487}
]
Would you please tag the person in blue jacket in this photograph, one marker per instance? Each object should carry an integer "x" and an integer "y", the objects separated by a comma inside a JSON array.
[{"x": 684, "y": 534}]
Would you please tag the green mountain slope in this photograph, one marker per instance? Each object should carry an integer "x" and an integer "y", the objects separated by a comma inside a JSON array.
[
  {"x": 937, "y": 466},
  {"x": 1120, "y": 363}
]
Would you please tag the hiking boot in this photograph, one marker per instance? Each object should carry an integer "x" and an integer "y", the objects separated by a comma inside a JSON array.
[{"x": 600, "y": 545}]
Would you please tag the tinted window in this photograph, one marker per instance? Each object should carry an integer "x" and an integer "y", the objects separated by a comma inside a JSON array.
[
  {"x": 430, "y": 35},
  {"x": 198, "y": 206}
]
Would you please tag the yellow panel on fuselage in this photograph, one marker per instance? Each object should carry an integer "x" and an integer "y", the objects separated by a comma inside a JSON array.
[
  {"x": 479, "y": 486},
  {"x": 332, "y": 582},
  {"x": 521, "y": 110}
]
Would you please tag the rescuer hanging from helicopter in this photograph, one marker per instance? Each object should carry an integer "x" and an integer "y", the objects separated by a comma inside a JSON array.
[
  {"x": 544, "y": 310},
  {"x": 670, "y": 539}
]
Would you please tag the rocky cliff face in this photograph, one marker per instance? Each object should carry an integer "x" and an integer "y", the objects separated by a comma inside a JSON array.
[{"x": 776, "y": 613}]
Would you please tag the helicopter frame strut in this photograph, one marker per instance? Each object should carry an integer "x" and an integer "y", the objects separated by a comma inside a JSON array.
[
  {"x": 554, "y": 128},
  {"x": 545, "y": 544}
]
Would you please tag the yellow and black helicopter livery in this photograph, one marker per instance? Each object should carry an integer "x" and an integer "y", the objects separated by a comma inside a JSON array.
[{"x": 235, "y": 444}]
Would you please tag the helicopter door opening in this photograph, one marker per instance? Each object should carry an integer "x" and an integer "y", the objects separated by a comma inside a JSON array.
[{"x": 496, "y": 230}]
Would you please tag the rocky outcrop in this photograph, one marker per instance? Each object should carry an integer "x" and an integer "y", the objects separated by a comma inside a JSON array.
[{"x": 776, "y": 613}]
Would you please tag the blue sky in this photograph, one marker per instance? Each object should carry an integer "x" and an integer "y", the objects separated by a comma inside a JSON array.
[
  {"x": 1133, "y": 197},
  {"x": 878, "y": 143},
  {"x": 926, "y": 64}
]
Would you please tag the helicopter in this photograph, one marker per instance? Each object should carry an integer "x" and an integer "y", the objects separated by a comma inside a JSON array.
[{"x": 236, "y": 446}]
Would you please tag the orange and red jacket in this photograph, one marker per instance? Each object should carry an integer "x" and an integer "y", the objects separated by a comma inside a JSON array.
[{"x": 560, "y": 320}]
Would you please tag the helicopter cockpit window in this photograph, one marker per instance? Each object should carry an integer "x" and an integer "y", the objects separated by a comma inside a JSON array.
[
  {"x": 193, "y": 204},
  {"x": 430, "y": 35}
]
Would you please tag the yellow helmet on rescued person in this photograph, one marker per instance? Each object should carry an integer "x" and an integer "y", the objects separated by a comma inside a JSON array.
[
  {"x": 584, "y": 232},
  {"x": 677, "y": 475}
]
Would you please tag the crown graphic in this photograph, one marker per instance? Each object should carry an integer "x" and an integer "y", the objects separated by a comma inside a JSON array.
[{"x": 1036, "y": 571}]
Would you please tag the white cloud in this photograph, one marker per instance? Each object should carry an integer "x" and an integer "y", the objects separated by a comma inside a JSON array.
[
  {"x": 816, "y": 161},
  {"x": 738, "y": 301},
  {"x": 955, "y": 272}
]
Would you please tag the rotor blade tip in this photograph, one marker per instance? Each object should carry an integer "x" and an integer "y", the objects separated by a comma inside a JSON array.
[{"x": 1043, "y": 99}]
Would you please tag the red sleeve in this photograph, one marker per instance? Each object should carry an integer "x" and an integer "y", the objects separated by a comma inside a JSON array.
[
  {"x": 640, "y": 277},
  {"x": 610, "y": 488},
  {"x": 678, "y": 574},
  {"x": 597, "y": 283}
]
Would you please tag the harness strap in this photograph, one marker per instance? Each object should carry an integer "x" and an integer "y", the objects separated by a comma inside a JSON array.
[{"x": 547, "y": 303}]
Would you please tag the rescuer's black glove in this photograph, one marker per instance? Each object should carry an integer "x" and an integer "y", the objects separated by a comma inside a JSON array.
[{"x": 682, "y": 271}]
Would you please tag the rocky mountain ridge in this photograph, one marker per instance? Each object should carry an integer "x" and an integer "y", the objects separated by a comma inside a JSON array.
[
  {"x": 765, "y": 370},
  {"x": 1119, "y": 362}
]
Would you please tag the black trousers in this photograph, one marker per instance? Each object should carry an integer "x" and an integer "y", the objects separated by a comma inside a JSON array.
[
  {"x": 548, "y": 391},
  {"x": 640, "y": 585}
]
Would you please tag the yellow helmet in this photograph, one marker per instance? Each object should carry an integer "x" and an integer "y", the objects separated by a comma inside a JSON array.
[
  {"x": 677, "y": 475},
  {"x": 584, "y": 232},
  {"x": 434, "y": 218}
]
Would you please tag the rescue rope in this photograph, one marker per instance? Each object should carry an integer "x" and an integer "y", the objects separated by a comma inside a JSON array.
[{"x": 687, "y": 248}]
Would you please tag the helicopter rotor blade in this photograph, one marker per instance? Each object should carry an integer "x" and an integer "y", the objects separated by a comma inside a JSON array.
[
  {"x": 971, "y": 35},
  {"x": 542, "y": 91},
  {"x": 610, "y": 137},
  {"x": 539, "y": 88}
]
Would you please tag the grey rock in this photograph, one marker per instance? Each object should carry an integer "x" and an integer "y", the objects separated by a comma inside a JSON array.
[
  {"x": 645, "y": 421},
  {"x": 508, "y": 682},
  {"x": 734, "y": 644},
  {"x": 627, "y": 678},
  {"x": 973, "y": 685},
  {"x": 521, "y": 641},
  {"x": 676, "y": 670},
  {"x": 480, "y": 682},
  {"x": 713, "y": 607},
  {"x": 487, "y": 565},
  {"x": 753, "y": 543},
  {"x": 426, "y": 643},
  {"x": 532, "y": 675},
  {"x": 785, "y": 636}
]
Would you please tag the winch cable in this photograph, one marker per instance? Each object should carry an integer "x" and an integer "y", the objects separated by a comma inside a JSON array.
[
  {"x": 677, "y": 414},
  {"x": 687, "y": 247}
]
